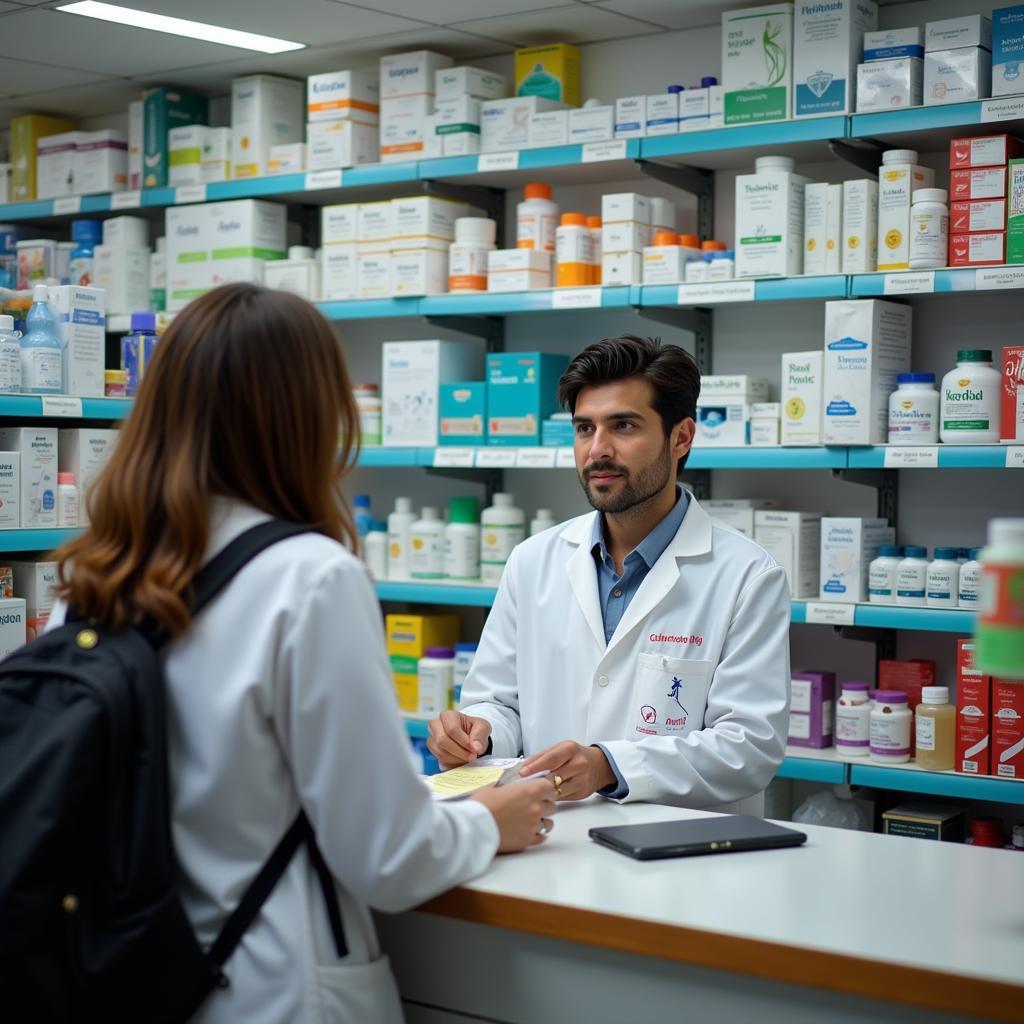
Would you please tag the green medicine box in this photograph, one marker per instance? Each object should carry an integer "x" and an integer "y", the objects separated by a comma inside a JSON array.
[
  {"x": 164, "y": 109},
  {"x": 462, "y": 418},
  {"x": 521, "y": 392},
  {"x": 1015, "y": 212}
]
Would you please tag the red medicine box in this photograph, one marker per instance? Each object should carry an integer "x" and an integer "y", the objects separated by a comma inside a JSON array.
[
  {"x": 977, "y": 215},
  {"x": 984, "y": 151},
  {"x": 973, "y": 704},
  {"x": 1008, "y": 728},
  {"x": 982, "y": 250},
  {"x": 908, "y": 677},
  {"x": 977, "y": 183}
]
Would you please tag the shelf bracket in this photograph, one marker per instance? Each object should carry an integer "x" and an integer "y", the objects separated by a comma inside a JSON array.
[
  {"x": 697, "y": 320},
  {"x": 867, "y": 157},
  {"x": 490, "y": 328},
  {"x": 884, "y": 483},
  {"x": 697, "y": 182}
]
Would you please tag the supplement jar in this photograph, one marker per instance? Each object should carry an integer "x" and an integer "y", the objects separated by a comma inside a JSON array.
[
  {"x": 914, "y": 410},
  {"x": 929, "y": 229}
]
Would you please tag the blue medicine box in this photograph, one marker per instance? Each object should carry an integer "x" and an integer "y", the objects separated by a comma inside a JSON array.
[
  {"x": 521, "y": 392},
  {"x": 463, "y": 413},
  {"x": 557, "y": 434}
]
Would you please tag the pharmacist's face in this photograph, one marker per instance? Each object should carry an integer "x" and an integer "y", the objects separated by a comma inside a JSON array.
[{"x": 622, "y": 455}]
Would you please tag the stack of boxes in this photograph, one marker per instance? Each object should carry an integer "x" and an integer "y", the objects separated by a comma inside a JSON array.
[
  {"x": 517, "y": 270},
  {"x": 989, "y": 720},
  {"x": 521, "y": 394},
  {"x": 342, "y": 119},
  {"x": 407, "y": 82},
  {"x": 454, "y": 127},
  {"x": 892, "y": 74},
  {"x": 629, "y": 222},
  {"x": 957, "y": 59},
  {"x": 408, "y": 637},
  {"x": 25, "y": 133},
  {"x": 266, "y": 111},
  {"x": 163, "y": 110},
  {"x": 122, "y": 264},
  {"x": 737, "y": 512},
  {"x": 198, "y": 154},
  {"x": 81, "y": 163},
  {"x": 723, "y": 409}
]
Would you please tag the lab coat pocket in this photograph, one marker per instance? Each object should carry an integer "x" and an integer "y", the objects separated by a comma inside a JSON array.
[
  {"x": 670, "y": 695},
  {"x": 359, "y": 992}
]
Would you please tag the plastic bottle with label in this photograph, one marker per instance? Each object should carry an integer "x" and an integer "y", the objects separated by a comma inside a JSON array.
[
  {"x": 929, "y": 229},
  {"x": 935, "y": 730},
  {"x": 914, "y": 410},
  {"x": 882, "y": 574},
  {"x": 426, "y": 555},
  {"x": 536, "y": 218},
  {"x": 375, "y": 549},
  {"x": 400, "y": 539},
  {"x": 68, "y": 505},
  {"x": 542, "y": 521},
  {"x": 970, "y": 581},
  {"x": 1000, "y": 630},
  {"x": 891, "y": 722},
  {"x": 943, "y": 579},
  {"x": 86, "y": 234},
  {"x": 435, "y": 672},
  {"x": 502, "y": 527},
  {"x": 462, "y": 540},
  {"x": 853, "y": 720},
  {"x": 970, "y": 399},
  {"x": 574, "y": 252},
  {"x": 912, "y": 577},
  {"x": 464, "y": 652},
  {"x": 10, "y": 357},
  {"x": 467, "y": 255},
  {"x": 41, "y": 369}
]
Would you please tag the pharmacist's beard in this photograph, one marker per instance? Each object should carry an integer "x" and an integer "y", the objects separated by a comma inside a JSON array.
[{"x": 636, "y": 490}]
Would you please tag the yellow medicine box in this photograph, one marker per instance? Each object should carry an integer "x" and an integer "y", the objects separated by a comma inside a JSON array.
[
  {"x": 411, "y": 635},
  {"x": 26, "y": 131},
  {"x": 551, "y": 71}
]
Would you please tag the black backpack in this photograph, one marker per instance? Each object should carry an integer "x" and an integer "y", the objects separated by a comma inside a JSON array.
[{"x": 91, "y": 923}]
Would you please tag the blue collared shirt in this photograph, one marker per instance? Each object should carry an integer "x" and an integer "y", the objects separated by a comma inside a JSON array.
[{"x": 615, "y": 591}]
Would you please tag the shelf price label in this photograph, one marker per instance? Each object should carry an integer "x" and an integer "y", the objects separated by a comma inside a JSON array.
[
  {"x": 920, "y": 283},
  {"x": 899, "y": 456},
  {"x": 595, "y": 152},
  {"x": 993, "y": 278},
  {"x": 498, "y": 161},
  {"x": 496, "y": 458},
  {"x": 565, "y": 458},
  {"x": 67, "y": 204},
  {"x": 126, "y": 200},
  {"x": 190, "y": 194},
  {"x": 62, "y": 405},
  {"x": 711, "y": 292},
  {"x": 575, "y": 298},
  {"x": 453, "y": 458},
  {"x": 1009, "y": 108},
  {"x": 828, "y": 613},
  {"x": 1015, "y": 456},
  {"x": 535, "y": 458},
  {"x": 330, "y": 178}
]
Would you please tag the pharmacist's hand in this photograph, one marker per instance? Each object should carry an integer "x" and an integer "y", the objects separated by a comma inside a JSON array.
[
  {"x": 576, "y": 771},
  {"x": 457, "y": 739},
  {"x": 522, "y": 812}
]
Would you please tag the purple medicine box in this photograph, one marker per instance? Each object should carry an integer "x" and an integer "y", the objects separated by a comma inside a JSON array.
[{"x": 811, "y": 709}]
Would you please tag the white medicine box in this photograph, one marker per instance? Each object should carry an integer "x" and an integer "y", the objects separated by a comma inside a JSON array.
[
  {"x": 266, "y": 110},
  {"x": 411, "y": 375},
  {"x": 36, "y": 448},
  {"x": 80, "y": 315},
  {"x": 124, "y": 274},
  {"x": 802, "y": 381},
  {"x": 12, "y": 625},
  {"x": 349, "y": 95},
  {"x": 848, "y": 545},
  {"x": 34, "y": 583},
  {"x": 188, "y": 254},
  {"x": 793, "y": 539},
  {"x": 955, "y": 76},
  {"x": 408, "y": 74},
  {"x": 10, "y": 490},
  {"x": 129, "y": 232},
  {"x": 84, "y": 451}
]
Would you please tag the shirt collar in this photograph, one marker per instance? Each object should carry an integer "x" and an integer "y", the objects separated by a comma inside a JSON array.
[{"x": 653, "y": 546}]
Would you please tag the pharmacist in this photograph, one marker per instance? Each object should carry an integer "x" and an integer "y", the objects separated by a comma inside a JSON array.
[{"x": 640, "y": 651}]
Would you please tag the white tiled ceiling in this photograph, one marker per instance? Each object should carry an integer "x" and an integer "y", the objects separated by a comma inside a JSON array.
[
  {"x": 568, "y": 22},
  {"x": 671, "y": 13}
]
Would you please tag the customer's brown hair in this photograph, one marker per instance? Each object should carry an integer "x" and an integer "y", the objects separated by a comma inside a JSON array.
[{"x": 247, "y": 397}]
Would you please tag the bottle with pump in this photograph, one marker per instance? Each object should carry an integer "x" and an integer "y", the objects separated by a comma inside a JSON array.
[
  {"x": 86, "y": 234},
  {"x": 68, "y": 505},
  {"x": 41, "y": 369},
  {"x": 400, "y": 539},
  {"x": 502, "y": 527},
  {"x": 544, "y": 520},
  {"x": 10, "y": 357},
  {"x": 935, "y": 730}
]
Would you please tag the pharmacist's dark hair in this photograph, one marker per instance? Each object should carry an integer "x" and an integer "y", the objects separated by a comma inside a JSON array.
[
  {"x": 670, "y": 370},
  {"x": 247, "y": 397}
]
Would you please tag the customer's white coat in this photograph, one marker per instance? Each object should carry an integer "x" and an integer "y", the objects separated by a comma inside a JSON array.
[
  {"x": 690, "y": 696},
  {"x": 280, "y": 697}
]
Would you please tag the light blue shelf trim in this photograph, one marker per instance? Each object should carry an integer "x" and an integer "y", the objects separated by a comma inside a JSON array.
[
  {"x": 783, "y": 289},
  {"x": 767, "y": 458},
  {"x": 933, "y": 620},
  {"x": 159, "y": 196},
  {"x": 954, "y": 456},
  {"x": 529, "y": 159},
  {"x": 34, "y": 540},
  {"x": 754, "y": 136},
  {"x": 811, "y": 770},
  {"x": 915, "y": 119},
  {"x": 396, "y": 457},
  {"x": 954, "y": 279},
  {"x": 798, "y": 612},
  {"x": 416, "y": 728},
  {"x": 92, "y": 408},
  {"x": 428, "y": 593},
  {"x": 1006, "y": 791},
  {"x": 537, "y": 300},
  {"x": 369, "y": 309}
]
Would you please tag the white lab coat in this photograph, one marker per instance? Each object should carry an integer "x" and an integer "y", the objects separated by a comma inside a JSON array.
[
  {"x": 279, "y": 697},
  {"x": 690, "y": 696}
]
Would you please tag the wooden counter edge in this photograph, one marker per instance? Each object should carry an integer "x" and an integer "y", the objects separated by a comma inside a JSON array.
[{"x": 858, "y": 976}]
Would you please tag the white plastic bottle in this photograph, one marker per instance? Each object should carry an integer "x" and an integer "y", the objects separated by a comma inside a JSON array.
[
  {"x": 912, "y": 577},
  {"x": 970, "y": 581},
  {"x": 929, "y": 229},
  {"x": 426, "y": 554},
  {"x": 462, "y": 540},
  {"x": 467, "y": 255},
  {"x": 970, "y": 399},
  {"x": 68, "y": 505},
  {"x": 464, "y": 652},
  {"x": 502, "y": 527},
  {"x": 375, "y": 544},
  {"x": 882, "y": 575},
  {"x": 891, "y": 722},
  {"x": 10, "y": 357},
  {"x": 41, "y": 369},
  {"x": 543, "y": 520},
  {"x": 943, "y": 579},
  {"x": 400, "y": 539},
  {"x": 853, "y": 720},
  {"x": 574, "y": 252},
  {"x": 536, "y": 218},
  {"x": 914, "y": 410},
  {"x": 435, "y": 672}
]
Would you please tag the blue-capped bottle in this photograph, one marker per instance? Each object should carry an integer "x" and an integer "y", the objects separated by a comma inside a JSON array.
[
  {"x": 137, "y": 349},
  {"x": 86, "y": 234},
  {"x": 41, "y": 369}
]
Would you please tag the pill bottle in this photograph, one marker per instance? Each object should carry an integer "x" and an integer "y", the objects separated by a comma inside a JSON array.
[
  {"x": 935, "y": 730},
  {"x": 882, "y": 575},
  {"x": 10, "y": 357},
  {"x": 463, "y": 660},
  {"x": 115, "y": 383},
  {"x": 370, "y": 407},
  {"x": 890, "y": 726},
  {"x": 536, "y": 218},
  {"x": 1000, "y": 629},
  {"x": 853, "y": 720},
  {"x": 574, "y": 252},
  {"x": 929, "y": 229},
  {"x": 912, "y": 577},
  {"x": 375, "y": 546},
  {"x": 914, "y": 410},
  {"x": 67, "y": 501},
  {"x": 426, "y": 546},
  {"x": 467, "y": 255},
  {"x": 594, "y": 225},
  {"x": 542, "y": 521},
  {"x": 970, "y": 581},
  {"x": 435, "y": 672},
  {"x": 985, "y": 831},
  {"x": 970, "y": 400},
  {"x": 943, "y": 579},
  {"x": 400, "y": 539},
  {"x": 502, "y": 527},
  {"x": 462, "y": 540}
]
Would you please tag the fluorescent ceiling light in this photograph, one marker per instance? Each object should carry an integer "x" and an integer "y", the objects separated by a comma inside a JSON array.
[{"x": 180, "y": 27}]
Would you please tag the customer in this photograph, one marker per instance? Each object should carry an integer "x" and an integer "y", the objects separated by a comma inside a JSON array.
[{"x": 280, "y": 697}]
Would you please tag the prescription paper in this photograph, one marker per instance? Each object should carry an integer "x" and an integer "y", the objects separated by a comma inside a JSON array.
[{"x": 468, "y": 778}]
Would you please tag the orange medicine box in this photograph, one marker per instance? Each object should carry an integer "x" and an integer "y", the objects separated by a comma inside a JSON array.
[
  {"x": 1008, "y": 728},
  {"x": 973, "y": 704}
]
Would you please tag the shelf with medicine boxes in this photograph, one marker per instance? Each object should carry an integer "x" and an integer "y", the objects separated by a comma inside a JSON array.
[
  {"x": 33, "y": 540},
  {"x": 64, "y": 407},
  {"x": 950, "y": 281},
  {"x": 950, "y": 456},
  {"x": 908, "y": 778},
  {"x": 745, "y": 290}
]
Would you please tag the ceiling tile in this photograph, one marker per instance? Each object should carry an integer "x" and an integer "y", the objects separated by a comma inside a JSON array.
[
  {"x": 671, "y": 13},
  {"x": 81, "y": 101},
  {"x": 565, "y": 23},
  {"x": 18, "y": 77},
  {"x": 6, "y": 8},
  {"x": 447, "y": 12}
]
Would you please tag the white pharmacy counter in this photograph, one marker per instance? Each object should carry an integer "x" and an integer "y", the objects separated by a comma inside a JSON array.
[{"x": 849, "y": 927}]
